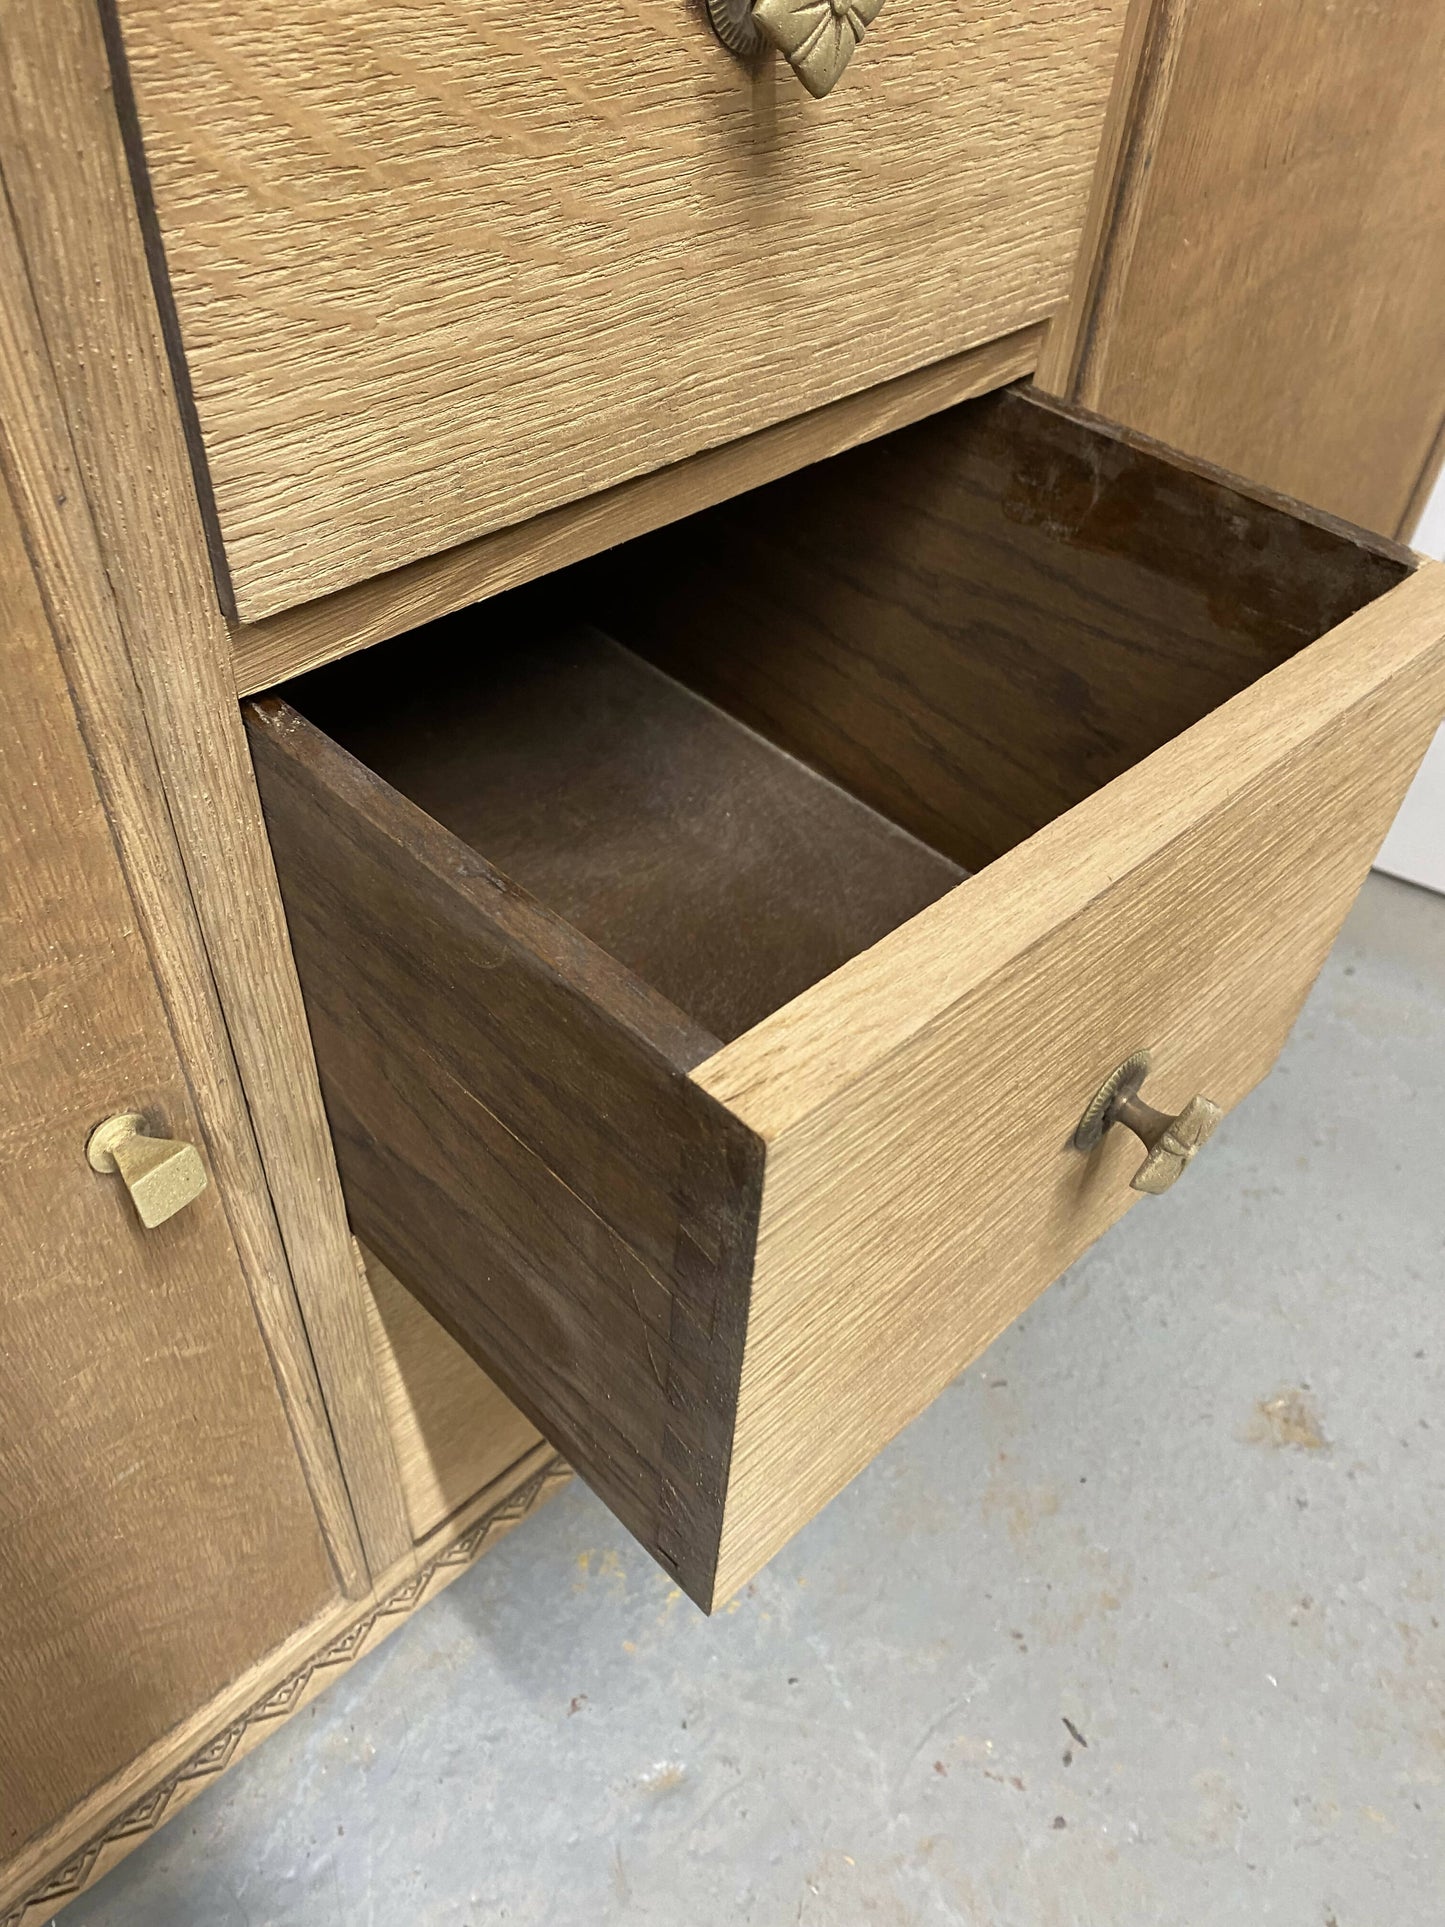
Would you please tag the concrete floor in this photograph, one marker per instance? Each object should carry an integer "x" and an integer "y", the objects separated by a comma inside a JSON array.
[{"x": 1142, "y": 1622}]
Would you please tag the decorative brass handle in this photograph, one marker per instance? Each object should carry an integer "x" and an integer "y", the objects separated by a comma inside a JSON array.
[
  {"x": 162, "y": 1174},
  {"x": 818, "y": 37},
  {"x": 1170, "y": 1141}
]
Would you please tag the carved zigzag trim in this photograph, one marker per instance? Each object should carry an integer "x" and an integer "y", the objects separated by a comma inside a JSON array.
[{"x": 147, "y": 1813}]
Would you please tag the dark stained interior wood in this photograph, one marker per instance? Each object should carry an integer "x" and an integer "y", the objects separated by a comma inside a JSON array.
[
  {"x": 518, "y": 1139},
  {"x": 724, "y": 873},
  {"x": 976, "y": 622}
]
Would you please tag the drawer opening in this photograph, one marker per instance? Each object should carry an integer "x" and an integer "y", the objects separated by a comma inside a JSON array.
[
  {"x": 738, "y": 752},
  {"x": 709, "y": 950},
  {"x": 722, "y": 871}
]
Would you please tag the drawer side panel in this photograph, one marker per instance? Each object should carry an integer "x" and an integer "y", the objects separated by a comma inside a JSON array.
[{"x": 519, "y": 1142}]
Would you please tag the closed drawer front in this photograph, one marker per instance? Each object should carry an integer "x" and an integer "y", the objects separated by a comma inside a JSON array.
[
  {"x": 711, "y": 951},
  {"x": 436, "y": 268}
]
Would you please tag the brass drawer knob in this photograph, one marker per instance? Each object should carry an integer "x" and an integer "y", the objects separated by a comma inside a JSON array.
[
  {"x": 162, "y": 1174},
  {"x": 817, "y": 37},
  {"x": 1170, "y": 1141}
]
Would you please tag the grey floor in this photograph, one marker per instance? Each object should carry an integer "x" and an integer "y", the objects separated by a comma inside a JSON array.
[{"x": 1141, "y": 1623}]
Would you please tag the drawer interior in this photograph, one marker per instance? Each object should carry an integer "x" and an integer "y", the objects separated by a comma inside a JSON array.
[
  {"x": 721, "y": 870},
  {"x": 738, "y": 752},
  {"x": 709, "y": 950}
]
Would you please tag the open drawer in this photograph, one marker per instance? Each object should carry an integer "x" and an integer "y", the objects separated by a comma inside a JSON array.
[{"x": 711, "y": 951}]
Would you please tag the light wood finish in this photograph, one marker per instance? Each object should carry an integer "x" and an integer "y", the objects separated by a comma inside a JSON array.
[
  {"x": 1268, "y": 292},
  {"x": 122, "y": 1813},
  {"x": 149, "y": 1469},
  {"x": 84, "y": 260},
  {"x": 903, "y": 1229},
  {"x": 60, "y": 535},
  {"x": 435, "y": 273},
  {"x": 1142, "y": 79},
  {"x": 454, "y": 1432},
  {"x": 283, "y": 645},
  {"x": 1021, "y": 635}
]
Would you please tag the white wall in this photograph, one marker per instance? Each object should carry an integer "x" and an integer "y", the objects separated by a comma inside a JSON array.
[{"x": 1415, "y": 847}]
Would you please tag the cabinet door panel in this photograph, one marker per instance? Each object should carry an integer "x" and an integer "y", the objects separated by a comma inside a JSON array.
[
  {"x": 156, "y": 1532},
  {"x": 1267, "y": 293}
]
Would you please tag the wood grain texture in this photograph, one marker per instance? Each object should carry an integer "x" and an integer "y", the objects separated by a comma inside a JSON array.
[
  {"x": 149, "y": 1469},
  {"x": 70, "y": 193},
  {"x": 519, "y": 1140},
  {"x": 454, "y": 1432},
  {"x": 123, "y": 1812},
  {"x": 1132, "y": 124},
  {"x": 283, "y": 645},
  {"x": 1425, "y": 486},
  {"x": 980, "y": 620},
  {"x": 435, "y": 273},
  {"x": 1187, "y": 907},
  {"x": 1268, "y": 293},
  {"x": 56, "y": 526}
]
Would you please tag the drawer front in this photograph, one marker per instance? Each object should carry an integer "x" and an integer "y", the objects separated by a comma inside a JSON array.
[
  {"x": 912, "y": 1211},
  {"x": 720, "y": 1276},
  {"x": 439, "y": 268}
]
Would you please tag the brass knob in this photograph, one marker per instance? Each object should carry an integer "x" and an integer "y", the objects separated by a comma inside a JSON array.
[
  {"x": 162, "y": 1174},
  {"x": 1170, "y": 1141},
  {"x": 817, "y": 37}
]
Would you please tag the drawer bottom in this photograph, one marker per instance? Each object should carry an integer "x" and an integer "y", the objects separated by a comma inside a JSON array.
[{"x": 718, "y": 868}]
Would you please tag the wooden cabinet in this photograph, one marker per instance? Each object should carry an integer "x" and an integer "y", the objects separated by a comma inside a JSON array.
[
  {"x": 203, "y": 1517},
  {"x": 1039, "y": 745}
]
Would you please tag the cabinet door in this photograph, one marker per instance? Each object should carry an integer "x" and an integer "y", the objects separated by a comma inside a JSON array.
[
  {"x": 156, "y": 1532},
  {"x": 1266, "y": 291}
]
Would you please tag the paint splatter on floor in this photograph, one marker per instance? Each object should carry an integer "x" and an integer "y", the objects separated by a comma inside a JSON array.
[{"x": 1289, "y": 1418}]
